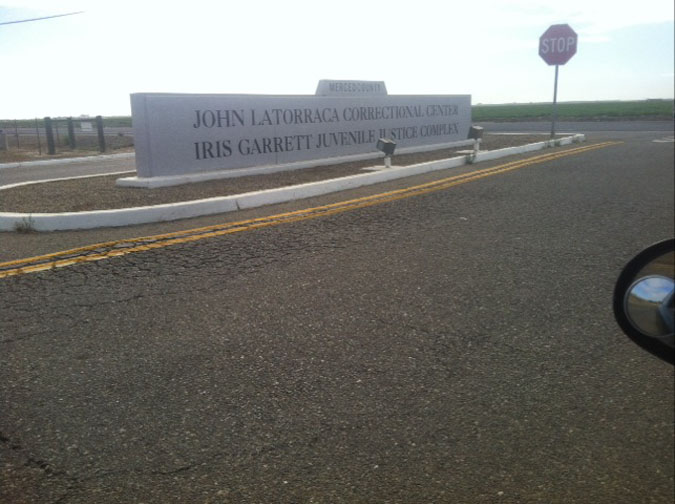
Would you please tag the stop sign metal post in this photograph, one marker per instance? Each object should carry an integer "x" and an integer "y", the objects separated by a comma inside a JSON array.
[{"x": 556, "y": 46}]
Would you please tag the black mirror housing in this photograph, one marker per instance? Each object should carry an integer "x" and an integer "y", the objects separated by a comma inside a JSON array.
[{"x": 643, "y": 300}]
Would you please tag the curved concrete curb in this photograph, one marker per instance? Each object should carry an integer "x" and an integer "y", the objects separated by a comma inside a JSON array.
[
  {"x": 173, "y": 180},
  {"x": 508, "y": 151},
  {"x": 196, "y": 208},
  {"x": 61, "y": 179},
  {"x": 84, "y": 159}
]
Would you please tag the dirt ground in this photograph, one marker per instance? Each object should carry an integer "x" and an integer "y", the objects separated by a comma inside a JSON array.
[{"x": 101, "y": 193}]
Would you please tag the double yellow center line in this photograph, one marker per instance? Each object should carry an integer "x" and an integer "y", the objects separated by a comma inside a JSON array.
[{"x": 118, "y": 248}]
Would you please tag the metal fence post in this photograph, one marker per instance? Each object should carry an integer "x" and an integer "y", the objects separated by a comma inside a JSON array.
[
  {"x": 37, "y": 131},
  {"x": 51, "y": 148},
  {"x": 71, "y": 133},
  {"x": 101, "y": 136},
  {"x": 16, "y": 132}
]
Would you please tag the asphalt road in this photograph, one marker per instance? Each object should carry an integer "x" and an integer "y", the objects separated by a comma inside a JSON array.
[
  {"x": 579, "y": 126},
  {"x": 112, "y": 164},
  {"x": 75, "y": 167},
  {"x": 456, "y": 346}
]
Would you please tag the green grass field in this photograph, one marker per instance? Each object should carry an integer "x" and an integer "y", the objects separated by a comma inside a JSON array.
[{"x": 583, "y": 111}]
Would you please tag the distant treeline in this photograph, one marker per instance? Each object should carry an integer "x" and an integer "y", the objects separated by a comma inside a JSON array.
[{"x": 584, "y": 111}]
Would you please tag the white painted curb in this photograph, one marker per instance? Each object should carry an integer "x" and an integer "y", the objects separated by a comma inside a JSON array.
[
  {"x": 75, "y": 160},
  {"x": 61, "y": 179},
  {"x": 196, "y": 208},
  {"x": 172, "y": 180}
]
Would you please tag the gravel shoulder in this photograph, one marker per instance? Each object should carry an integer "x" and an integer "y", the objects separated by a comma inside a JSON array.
[{"x": 101, "y": 193}]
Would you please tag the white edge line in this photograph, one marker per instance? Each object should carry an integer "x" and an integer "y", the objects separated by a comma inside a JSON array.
[
  {"x": 61, "y": 179},
  {"x": 187, "y": 209},
  {"x": 75, "y": 160}
]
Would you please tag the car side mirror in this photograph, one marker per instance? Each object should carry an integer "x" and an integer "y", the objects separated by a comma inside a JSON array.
[{"x": 643, "y": 300}]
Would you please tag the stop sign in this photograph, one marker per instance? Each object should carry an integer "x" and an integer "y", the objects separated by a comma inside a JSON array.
[{"x": 558, "y": 44}]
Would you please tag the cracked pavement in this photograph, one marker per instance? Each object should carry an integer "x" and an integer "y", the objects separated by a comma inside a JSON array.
[{"x": 452, "y": 347}]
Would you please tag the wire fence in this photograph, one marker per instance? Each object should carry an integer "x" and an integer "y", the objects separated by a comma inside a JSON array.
[{"x": 46, "y": 137}]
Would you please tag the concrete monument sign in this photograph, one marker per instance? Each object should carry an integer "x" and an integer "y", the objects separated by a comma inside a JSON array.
[{"x": 178, "y": 134}]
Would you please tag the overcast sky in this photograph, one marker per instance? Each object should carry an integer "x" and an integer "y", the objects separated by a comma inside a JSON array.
[{"x": 89, "y": 63}]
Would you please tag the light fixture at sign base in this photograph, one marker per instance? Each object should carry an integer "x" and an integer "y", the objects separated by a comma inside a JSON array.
[
  {"x": 387, "y": 146},
  {"x": 476, "y": 132}
]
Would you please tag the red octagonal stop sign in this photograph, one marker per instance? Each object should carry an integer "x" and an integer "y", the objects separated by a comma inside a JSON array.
[{"x": 558, "y": 44}]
